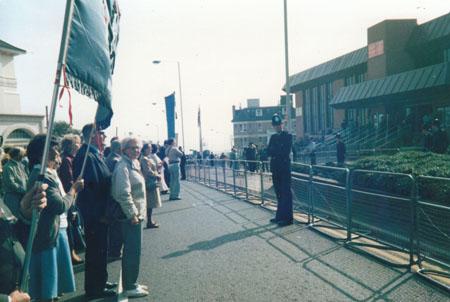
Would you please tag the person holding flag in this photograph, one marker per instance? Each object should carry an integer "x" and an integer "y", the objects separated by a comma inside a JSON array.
[
  {"x": 92, "y": 202},
  {"x": 86, "y": 63}
]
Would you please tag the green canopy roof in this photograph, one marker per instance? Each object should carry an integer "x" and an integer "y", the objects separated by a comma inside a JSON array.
[
  {"x": 435, "y": 29},
  {"x": 341, "y": 63},
  {"x": 395, "y": 85}
]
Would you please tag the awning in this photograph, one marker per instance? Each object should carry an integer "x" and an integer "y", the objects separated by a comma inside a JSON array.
[{"x": 397, "y": 86}]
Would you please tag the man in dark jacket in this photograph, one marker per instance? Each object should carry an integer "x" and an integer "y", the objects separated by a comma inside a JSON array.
[
  {"x": 92, "y": 202},
  {"x": 115, "y": 231},
  {"x": 182, "y": 164},
  {"x": 340, "y": 151},
  {"x": 279, "y": 149}
]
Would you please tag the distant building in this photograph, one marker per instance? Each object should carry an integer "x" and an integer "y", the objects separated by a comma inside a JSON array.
[
  {"x": 402, "y": 75},
  {"x": 15, "y": 128},
  {"x": 254, "y": 123}
]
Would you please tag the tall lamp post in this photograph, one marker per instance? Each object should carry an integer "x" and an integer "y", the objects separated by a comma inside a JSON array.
[
  {"x": 181, "y": 96},
  {"x": 286, "y": 58}
]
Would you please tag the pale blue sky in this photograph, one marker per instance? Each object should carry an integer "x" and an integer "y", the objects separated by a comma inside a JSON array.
[{"x": 229, "y": 50}]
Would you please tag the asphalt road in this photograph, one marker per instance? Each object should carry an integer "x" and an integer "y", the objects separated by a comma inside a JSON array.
[{"x": 211, "y": 247}]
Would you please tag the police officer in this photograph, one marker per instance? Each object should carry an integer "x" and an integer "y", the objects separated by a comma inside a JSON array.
[{"x": 279, "y": 149}]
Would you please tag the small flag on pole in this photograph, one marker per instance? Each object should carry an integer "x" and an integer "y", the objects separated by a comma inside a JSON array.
[
  {"x": 170, "y": 115},
  {"x": 92, "y": 51}
]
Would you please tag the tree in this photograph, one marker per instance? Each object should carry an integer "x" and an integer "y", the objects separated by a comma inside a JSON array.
[{"x": 61, "y": 128}]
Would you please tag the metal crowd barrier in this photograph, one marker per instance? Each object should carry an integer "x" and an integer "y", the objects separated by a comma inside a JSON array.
[
  {"x": 433, "y": 226},
  {"x": 366, "y": 209}
]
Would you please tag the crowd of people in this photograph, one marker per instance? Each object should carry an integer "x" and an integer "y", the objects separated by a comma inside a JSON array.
[{"x": 94, "y": 199}]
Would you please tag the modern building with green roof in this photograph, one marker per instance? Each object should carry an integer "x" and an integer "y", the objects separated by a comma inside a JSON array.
[{"x": 403, "y": 74}]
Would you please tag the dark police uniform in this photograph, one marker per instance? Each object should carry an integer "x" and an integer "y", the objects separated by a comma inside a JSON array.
[{"x": 279, "y": 149}]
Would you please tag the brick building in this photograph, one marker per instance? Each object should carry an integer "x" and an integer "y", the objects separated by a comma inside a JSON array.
[
  {"x": 254, "y": 123},
  {"x": 402, "y": 74}
]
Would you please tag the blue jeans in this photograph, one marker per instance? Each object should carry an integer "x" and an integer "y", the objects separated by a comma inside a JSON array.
[{"x": 174, "y": 170}]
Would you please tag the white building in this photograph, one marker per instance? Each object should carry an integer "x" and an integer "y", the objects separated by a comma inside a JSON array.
[{"x": 15, "y": 128}]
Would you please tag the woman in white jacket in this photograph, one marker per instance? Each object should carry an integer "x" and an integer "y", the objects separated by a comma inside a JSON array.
[{"x": 128, "y": 189}]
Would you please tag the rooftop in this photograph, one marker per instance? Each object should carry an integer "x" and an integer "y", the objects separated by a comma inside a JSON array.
[
  {"x": 258, "y": 114},
  {"x": 430, "y": 77},
  {"x": 10, "y": 49},
  {"x": 432, "y": 30},
  {"x": 436, "y": 29}
]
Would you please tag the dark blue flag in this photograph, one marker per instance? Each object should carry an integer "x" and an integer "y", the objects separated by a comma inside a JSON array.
[
  {"x": 170, "y": 115},
  {"x": 91, "y": 53}
]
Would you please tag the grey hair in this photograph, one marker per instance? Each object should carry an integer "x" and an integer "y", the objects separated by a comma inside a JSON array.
[
  {"x": 127, "y": 140},
  {"x": 69, "y": 141}
]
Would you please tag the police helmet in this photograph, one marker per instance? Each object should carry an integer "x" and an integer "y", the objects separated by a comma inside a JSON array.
[{"x": 276, "y": 120}]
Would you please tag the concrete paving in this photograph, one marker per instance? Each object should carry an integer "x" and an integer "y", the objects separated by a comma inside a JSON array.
[{"x": 212, "y": 247}]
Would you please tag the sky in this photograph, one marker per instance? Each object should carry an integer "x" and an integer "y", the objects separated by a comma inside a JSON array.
[{"x": 229, "y": 51}]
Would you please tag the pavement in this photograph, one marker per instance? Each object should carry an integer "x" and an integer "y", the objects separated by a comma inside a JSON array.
[{"x": 212, "y": 247}]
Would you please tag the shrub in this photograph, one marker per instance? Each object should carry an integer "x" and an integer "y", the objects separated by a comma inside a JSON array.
[{"x": 415, "y": 163}]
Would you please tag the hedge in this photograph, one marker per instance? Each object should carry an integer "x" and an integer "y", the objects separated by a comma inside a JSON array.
[{"x": 408, "y": 162}]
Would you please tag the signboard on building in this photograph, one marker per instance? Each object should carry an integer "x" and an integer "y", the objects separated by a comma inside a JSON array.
[{"x": 376, "y": 49}]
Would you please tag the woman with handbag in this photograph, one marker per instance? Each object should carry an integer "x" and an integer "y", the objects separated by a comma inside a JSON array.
[
  {"x": 152, "y": 179},
  {"x": 69, "y": 147}
]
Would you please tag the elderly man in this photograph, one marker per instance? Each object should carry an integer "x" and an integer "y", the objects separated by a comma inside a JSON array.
[
  {"x": 174, "y": 155},
  {"x": 92, "y": 202}
]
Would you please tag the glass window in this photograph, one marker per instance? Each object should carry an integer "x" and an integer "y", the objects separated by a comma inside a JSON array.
[
  {"x": 329, "y": 93},
  {"x": 259, "y": 112},
  {"x": 307, "y": 106},
  {"x": 19, "y": 134},
  {"x": 447, "y": 55}
]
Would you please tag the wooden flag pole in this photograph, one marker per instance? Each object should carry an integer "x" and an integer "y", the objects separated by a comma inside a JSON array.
[
  {"x": 88, "y": 147},
  {"x": 60, "y": 65}
]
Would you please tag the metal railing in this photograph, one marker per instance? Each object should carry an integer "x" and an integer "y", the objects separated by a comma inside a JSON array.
[{"x": 366, "y": 209}]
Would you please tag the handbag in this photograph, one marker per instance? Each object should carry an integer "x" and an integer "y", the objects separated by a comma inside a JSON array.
[
  {"x": 77, "y": 229},
  {"x": 151, "y": 183}
]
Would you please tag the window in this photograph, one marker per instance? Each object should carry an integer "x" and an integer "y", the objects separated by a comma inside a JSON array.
[
  {"x": 299, "y": 111},
  {"x": 447, "y": 55},
  {"x": 306, "y": 104},
  {"x": 316, "y": 110},
  {"x": 259, "y": 126},
  {"x": 329, "y": 93},
  {"x": 19, "y": 134},
  {"x": 259, "y": 112}
]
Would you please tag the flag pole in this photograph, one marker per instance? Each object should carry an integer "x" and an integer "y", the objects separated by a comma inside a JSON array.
[
  {"x": 60, "y": 65},
  {"x": 200, "y": 132},
  {"x": 83, "y": 167}
]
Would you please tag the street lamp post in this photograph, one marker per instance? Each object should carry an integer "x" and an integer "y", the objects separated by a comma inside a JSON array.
[
  {"x": 286, "y": 57},
  {"x": 181, "y": 97}
]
